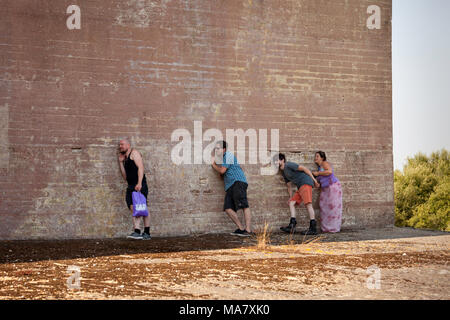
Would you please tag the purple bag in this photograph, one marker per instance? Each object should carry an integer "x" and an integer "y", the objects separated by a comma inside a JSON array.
[{"x": 139, "y": 205}]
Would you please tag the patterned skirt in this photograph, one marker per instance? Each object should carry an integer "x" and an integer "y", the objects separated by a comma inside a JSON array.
[{"x": 330, "y": 203}]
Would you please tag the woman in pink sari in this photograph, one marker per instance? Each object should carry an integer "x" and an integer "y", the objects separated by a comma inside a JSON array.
[{"x": 330, "y": 195}]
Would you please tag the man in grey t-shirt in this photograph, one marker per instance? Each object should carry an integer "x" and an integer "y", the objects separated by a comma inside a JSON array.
[
  {"x": 305, "y": 181},
  {"x": 292, "y": 173}
]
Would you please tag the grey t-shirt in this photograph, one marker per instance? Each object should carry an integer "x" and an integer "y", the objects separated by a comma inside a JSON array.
[{"x": 299, "y": 178}]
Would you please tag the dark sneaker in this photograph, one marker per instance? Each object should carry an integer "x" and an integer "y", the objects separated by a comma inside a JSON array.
[
  {"x": 239, "y": 232},
  {"x": 312, "y": 230},
  {"x": 135, "y": 236},
  {"x": 290, "y": 228},
  {"x": 146, "y": 236}
]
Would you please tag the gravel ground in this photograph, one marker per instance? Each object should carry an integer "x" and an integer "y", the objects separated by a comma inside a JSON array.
[{"x": 386, "y": 263}]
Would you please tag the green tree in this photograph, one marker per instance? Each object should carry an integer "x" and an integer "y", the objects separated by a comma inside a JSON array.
[{"x": 422, "y": 192}]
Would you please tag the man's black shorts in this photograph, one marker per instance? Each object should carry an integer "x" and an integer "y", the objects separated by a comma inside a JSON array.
[
  {"x": 130, "y": 189},
  {"x": 236, "y": 197}
]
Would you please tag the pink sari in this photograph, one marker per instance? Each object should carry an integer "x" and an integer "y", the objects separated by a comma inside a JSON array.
[{"x": 330, "y": 203}]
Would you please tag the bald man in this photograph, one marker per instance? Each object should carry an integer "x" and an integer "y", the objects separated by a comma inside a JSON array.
[{"x": 132, "y": 169}]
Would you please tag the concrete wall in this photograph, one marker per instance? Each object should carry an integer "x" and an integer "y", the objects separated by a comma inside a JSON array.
[{"x": 144, "y": 68}]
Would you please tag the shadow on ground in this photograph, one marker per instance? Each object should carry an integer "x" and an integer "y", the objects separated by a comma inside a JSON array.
[{"x": 17, "y": 251}]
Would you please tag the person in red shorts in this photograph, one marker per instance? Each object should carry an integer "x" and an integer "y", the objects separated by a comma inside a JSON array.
[{"x": 305, "y": 181}]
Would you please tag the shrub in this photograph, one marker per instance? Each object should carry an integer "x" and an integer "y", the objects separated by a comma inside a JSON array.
[{"x": 422, "y": 192}]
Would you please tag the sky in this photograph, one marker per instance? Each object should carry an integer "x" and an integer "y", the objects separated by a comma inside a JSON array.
[{"x": 420, "y": 77}]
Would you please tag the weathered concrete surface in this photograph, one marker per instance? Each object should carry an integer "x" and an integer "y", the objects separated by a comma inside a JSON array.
[
  {"x": 311, "y": 69},
  {"x": 413, "y": 264}
]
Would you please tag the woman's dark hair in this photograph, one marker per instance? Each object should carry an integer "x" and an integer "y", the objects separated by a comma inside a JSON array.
[{"x": 322, "y": 155}]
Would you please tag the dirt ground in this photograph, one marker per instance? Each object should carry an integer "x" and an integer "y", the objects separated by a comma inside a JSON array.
[{"x": 387, "y": 263}]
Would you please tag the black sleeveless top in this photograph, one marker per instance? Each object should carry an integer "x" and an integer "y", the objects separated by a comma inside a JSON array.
[{"x": 131, "y": 171}]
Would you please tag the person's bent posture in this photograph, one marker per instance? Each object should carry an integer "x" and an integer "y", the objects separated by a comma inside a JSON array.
[
  {"x": 132, "y": 169},
  {"x": 304, "y": 180},
  {"x": 235, "y": 188}
]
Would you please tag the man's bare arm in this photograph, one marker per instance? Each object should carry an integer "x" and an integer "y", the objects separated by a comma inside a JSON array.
[
  {"x": 136, "y": 156},
  {"x": 308, "y": 172},
  {"x": 289, "y": 188},
  {"x": 219, "y": 169}
]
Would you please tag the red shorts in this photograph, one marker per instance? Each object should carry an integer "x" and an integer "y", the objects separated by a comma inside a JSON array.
[{"x": 304, "y": 194}]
